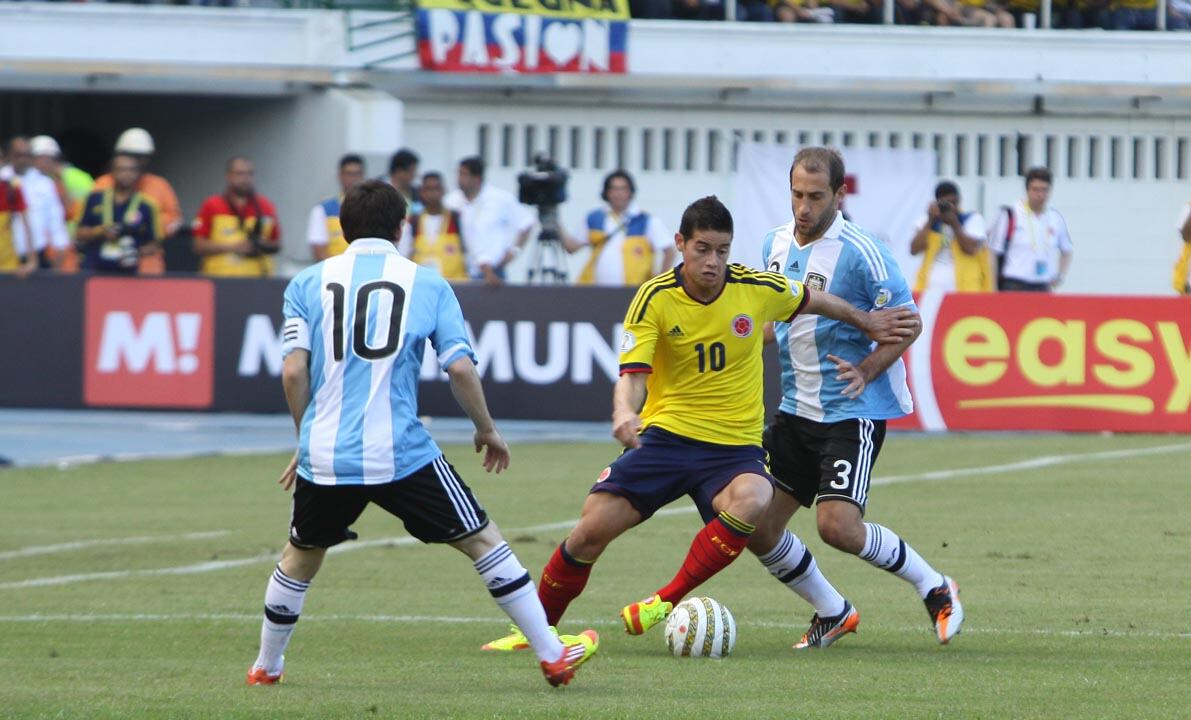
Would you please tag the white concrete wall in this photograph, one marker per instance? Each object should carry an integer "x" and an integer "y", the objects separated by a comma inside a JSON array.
[{"x": 1123, "y": 226}]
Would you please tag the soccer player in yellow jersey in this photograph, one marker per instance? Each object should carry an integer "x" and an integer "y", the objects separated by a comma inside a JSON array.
[{"x": 688, "y": 409}]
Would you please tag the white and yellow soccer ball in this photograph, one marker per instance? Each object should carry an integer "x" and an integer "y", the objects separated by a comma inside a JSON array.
[{"x": 700, "y": 627}]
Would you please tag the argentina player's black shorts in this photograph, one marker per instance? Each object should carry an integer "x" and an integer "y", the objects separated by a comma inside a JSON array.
[
  {"x": 811, "y": 459},
  {"x": 434, "y": 503}
]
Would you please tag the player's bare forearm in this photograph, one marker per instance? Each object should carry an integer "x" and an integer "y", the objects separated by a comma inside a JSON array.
[
  {"x": 628, "y": 397},
  {"x": 879, "y": 360},
  {"x": 469, "y": 393},
  {"x": 769, "y": 334},
  {"x": 883, "y": 326},
  {"x": 295, "y": 379}
]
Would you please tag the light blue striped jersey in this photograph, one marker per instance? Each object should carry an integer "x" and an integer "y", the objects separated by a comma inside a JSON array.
[
  {"x": 849, "y": 264},
  {"x": 365, "y": 317}
]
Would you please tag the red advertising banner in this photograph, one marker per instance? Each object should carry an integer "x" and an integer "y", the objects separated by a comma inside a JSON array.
[
  {"x": 149, "y": 343},
  {"x": 1018, "y": 361}
]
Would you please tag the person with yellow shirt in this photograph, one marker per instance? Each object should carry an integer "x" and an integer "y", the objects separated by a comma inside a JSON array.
[
  {"x": 236, "y": 233},
  {"x": 957, "y": 258},
  {"x": 1182, "y": 268},
  {"x": 15, "y": 255},
  {"x": 688, "y": 409},
  {"x": 323, "y": 231},
  {"x": 628, "y": 245},
  {"x": 434, "y": 237}
]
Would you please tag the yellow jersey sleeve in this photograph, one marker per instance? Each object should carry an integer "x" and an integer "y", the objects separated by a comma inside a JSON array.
[
  {"x": 642, "y": 324},
  {"x": 787, "y": 300}
]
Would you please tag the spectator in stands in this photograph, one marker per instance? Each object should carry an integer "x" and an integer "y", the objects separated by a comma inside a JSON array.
[
  {"x": 15, "y": 256},
  {"x": 807, "y": 11},
  {"x": 403, "y": 168},
  {"x": 323, "y": 231},
  {"x": 435, "y": 239},
  {"x": 628, "y": 245},
  {"x": 119, "y": 223},
  {"x": 864, "y": 12},
  {"x": 1133, "y": 15},
  {"x": 985, "y": 13},
  {"x": 73, "y": 186},
  {"x": 45, "y": 216},
  {"x": 236, "y": 233},
  {"x": 1030, "y": 240},
  {"x": 495, "y": 225},
  {"x": 1080, "y": 14},
  {"x": 1182, "y": 268},
  {"x": 138, "y": 143},
  {"x": 957, "y": 257}
]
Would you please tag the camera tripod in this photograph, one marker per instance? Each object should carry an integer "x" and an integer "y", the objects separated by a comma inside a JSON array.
[{"x": 549, "y": 263}]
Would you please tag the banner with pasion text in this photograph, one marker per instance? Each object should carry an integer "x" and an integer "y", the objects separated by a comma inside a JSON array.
[{"x": 523, "y": 36}]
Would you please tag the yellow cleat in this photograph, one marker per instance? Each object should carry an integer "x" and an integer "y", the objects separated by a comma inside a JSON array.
[
  {"x": 644, "y": 614},
  {"x": 577, "y": 649},
  {"x": 515, "y": 640}
]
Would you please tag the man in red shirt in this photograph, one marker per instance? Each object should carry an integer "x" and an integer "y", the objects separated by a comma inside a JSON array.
[{"x": 236, "y": 233}]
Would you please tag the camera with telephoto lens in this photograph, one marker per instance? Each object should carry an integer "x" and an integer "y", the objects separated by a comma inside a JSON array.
[
  {"x": 945, "y": 206},
  {"x": 544, "y": 186},
  {"x": 257, "y": 240}
]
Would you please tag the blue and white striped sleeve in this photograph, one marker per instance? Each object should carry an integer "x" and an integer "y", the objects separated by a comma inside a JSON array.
[{"x": 450, "y": 333}]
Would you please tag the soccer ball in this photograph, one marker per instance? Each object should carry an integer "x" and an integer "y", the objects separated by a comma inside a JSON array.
[{"x": 700, "y": 627}]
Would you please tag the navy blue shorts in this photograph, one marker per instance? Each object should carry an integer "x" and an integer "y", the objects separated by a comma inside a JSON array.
[{"x": 668, "y": 466}]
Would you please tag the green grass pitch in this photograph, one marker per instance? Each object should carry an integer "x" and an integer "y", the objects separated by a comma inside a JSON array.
[{"x": 1075, "y": 574}]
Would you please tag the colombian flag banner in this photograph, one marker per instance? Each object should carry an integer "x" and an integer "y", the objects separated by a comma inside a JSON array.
[{"x": 523, "y": 36}]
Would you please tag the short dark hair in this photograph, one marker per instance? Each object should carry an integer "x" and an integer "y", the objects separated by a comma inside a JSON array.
[
  {"x": 623, "y": 175},
  {"x": 350, "y": 159},
  {"x": 946, "y": 188},
  {"x": 433, "y": 175},
  {"x": 235, "y": 159},
  {"x": 706, "y": 213},
  {"x": 1039, "y": 173},
  {"x": 474, "y": 165},
  {"x": 821, "y": 159},
  {"x": 403, "y": 159},
  {"x": 373, "y": 209}
]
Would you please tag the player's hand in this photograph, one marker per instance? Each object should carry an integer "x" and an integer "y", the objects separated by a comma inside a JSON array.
[
  {"x": 892, "y": 325},
  {"x": 290, "y": 474},
  {"x": 851, "y": 374},
  {"x": 626, "y": 429},
  {"x": 496, "y": 452}
]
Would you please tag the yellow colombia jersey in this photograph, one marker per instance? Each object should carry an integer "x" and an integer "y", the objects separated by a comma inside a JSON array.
[{"x": 705, "y": 359}]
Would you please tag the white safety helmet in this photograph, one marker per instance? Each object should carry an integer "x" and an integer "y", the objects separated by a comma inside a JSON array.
[
  {"x": 43, "y": 145},
  {"x": 135, "y": 141}
]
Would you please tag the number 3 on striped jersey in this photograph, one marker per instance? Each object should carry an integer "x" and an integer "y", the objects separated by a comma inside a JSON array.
[
  {"x": 364, "y": 297},
  {"x": 843, "y": 475}
]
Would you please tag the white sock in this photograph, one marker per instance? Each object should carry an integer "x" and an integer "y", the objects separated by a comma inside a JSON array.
[
  {"x": 514, "y": 592},
  {"x": 884, "y": 549},
  {"x": 283, "y": 605},
  {"x": 793, "y": 565}
]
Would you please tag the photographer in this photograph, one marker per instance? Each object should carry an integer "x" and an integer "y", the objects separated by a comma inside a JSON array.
[
  {"x": 495, "y": 224},
  {"x": 957, "y": 258},
  {"x": 119, "y": 224},
  {"x": 625, "y": 241},
  {"x": 236, "y": 233}
]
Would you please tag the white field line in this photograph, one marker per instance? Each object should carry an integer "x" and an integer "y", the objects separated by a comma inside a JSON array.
[
  {"x": 1089, "y": 632},
  {"x": 214, "y": 565},
  {"x": 87, "y": 544}
]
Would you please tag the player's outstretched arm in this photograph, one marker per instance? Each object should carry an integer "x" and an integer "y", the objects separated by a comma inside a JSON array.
[
  {"x": 627, "y": 399},
  {"x": 858, "y": 376},
  {"x": 295, "y": 378},
  {"x": 469, "y": 393},
  {"x": 891, "y": 326}
]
